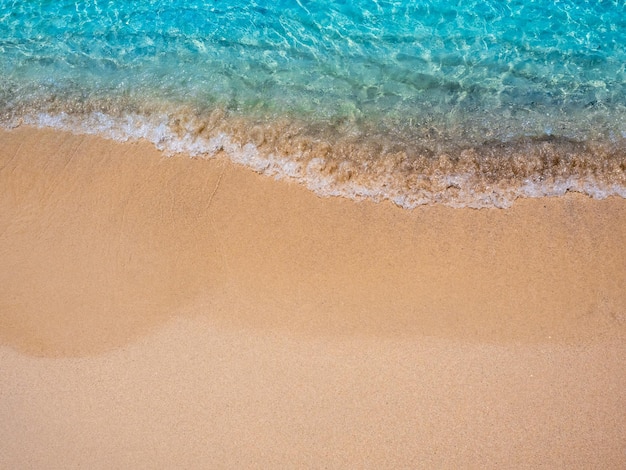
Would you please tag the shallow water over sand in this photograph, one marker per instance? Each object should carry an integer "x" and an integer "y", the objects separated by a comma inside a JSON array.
[{"x": 473, "y": 104}]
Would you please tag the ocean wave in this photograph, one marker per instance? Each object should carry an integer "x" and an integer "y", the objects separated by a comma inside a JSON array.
[{"x": 360, "y": 166}]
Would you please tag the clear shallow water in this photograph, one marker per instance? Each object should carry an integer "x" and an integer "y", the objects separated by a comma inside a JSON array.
[{"x": 474, "y": 103}]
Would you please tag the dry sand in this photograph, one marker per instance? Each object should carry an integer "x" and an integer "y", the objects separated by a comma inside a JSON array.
[{"x": 184, "y": 313}]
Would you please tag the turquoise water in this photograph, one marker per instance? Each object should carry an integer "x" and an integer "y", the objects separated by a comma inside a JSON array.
[{"x": 462, "y": 103}]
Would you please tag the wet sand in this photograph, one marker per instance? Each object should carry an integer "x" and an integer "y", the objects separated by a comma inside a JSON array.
[{"x": 159, "y": 312}]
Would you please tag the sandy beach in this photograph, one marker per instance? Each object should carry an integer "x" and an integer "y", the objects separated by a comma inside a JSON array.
[{"x": 169, "y": 312}]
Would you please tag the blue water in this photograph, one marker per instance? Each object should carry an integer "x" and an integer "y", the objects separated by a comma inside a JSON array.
[{"x": 463, "y": 103}]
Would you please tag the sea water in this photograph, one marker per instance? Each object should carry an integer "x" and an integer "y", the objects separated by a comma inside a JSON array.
[{"x": 463, "y": 103}]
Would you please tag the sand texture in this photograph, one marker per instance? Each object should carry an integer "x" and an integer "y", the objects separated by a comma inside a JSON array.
[{"x": 164, "y": 312}]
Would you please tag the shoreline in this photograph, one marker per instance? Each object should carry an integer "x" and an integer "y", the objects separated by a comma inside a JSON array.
[
  {"x": 220, "y": 316},
  {"x": 374, "y": 165}
]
